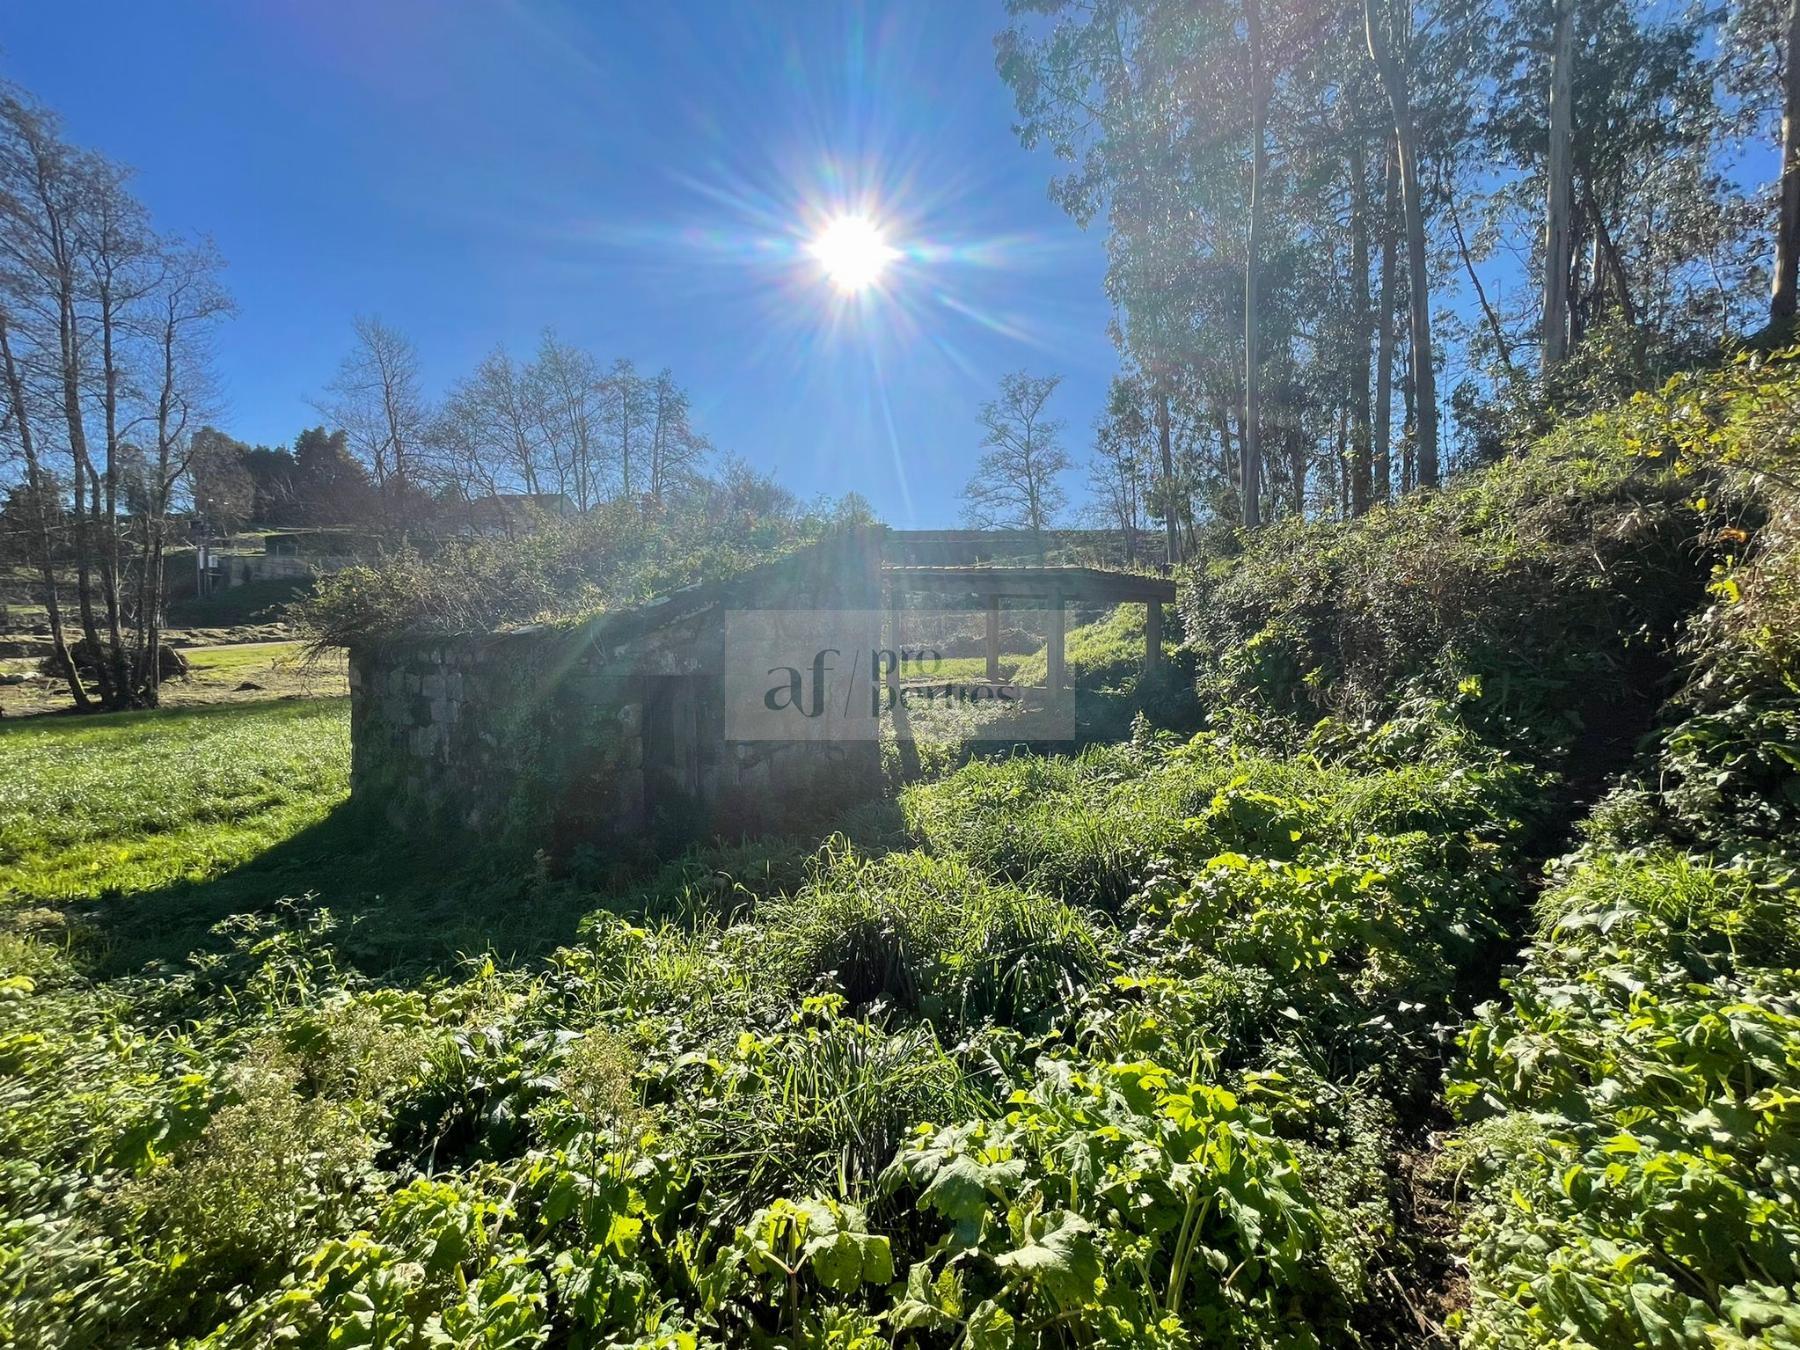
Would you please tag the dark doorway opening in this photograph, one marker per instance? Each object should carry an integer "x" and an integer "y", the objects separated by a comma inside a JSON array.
[{"x": 678, "y": 753}]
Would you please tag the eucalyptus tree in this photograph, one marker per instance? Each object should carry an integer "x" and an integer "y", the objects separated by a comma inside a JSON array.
[
  {"x": 1559, "y": 188},
  {"x": 1759, "y": 71},
  {"x": 1121, "y": 467},
  {"x": 1153, "y": 104},
  {"x": 1640, "y": 233},
  {"x": 1393, "y": 41}
]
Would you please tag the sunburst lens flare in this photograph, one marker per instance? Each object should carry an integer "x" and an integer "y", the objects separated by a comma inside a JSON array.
[{"x": 853, "y": 253}]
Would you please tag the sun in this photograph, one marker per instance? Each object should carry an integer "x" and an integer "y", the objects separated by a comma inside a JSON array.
[{"x": 853, "y": 253}]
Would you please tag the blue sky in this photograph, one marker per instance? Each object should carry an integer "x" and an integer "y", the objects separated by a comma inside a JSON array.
[{"x": 641, "y": 177}]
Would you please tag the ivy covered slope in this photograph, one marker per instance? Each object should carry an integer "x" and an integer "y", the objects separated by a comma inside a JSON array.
[
  {"x": 1145, "y": 1046},
  {"x": 1632, "y": 1161}
]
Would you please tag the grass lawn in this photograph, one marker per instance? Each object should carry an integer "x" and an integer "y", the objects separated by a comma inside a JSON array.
[
  {"x": 215, "y": 675},
  {"x": 132, "y": 834},
  {"x": 128, "y": 802},
  {"x": 959, "y": 668}
]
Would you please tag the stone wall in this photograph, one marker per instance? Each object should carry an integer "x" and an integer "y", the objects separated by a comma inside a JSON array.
[{"x": 609, "y": 734}]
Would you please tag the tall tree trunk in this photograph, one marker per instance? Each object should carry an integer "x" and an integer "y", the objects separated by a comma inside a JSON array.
[
  {"x": 86, "y": 494},
  {"x": 1424, "y": 377},
  {"x": 1259, "y": 113},
  {"x": 1559, "y": 193},
  {"x": 1614, "y": 265},
  {"x": 111, "y": 561},
  {"x": 1227, "y": 451},
  {"x": 42, "y": 490},
  {"x": 1296, "y": 444},
  {"x": 1409, "y": 438},
  {"x": 1578, "y": 307},
  {"x": 1359, "y": 466},
  {"x": 1170, "y": 519},
  {"x": 1787, "y": 238},
  {"x": 1382, "y": 464},
  {"x": 1344, "y": 475}
]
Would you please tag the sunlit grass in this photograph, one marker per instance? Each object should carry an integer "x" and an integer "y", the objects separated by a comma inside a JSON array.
[{"x": 123, "y": 803}]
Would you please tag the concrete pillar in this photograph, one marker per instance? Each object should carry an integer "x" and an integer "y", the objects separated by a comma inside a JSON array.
[
  {"x": 993, "y": 639},
  {"x": 1152, "y": 635},
  {"x": 899, "y": 642}
]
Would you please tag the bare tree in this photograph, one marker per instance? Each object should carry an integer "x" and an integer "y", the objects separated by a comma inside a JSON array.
[
  {"x": 625, "y": 401},
  {"x": 491, "y": 433},
  {"x": 375, "y": 398},
  {"x": 188, "y": 303},
  {"x": 1016, "y": 485},
  {"x": 676, "y": 449},
  {"x": 569, "y": 398},
  {"x": 102, "y": 345}
]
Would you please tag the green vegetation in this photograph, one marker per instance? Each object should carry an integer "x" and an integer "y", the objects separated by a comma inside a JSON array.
[
  {"x": 1105, "y": 654},
  {"x": 233, "y": 672},
  {"x": 1151, "y": 1045},
  {"x": 566, "y": 568},
  {"x": 132, "y": 802},
  {"x": 250, "y": 602}
]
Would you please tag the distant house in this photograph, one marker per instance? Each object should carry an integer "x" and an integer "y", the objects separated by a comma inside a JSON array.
[{"x": 514, "y": 512}]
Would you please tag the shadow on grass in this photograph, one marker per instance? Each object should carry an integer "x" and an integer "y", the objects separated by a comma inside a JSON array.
[
  {"x": 404, "y": 909},
  {"x": 410, "y": 909}
]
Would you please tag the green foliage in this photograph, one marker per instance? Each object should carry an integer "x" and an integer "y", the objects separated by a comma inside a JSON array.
[
  {"x": 1121, "y": 1202},
  {"x": 1096, "y": 826},
  {"x": 925, "y": 933},
  {"x": 610, "y": 558},
  {"x": 1633, "y": 1169},
  {"x": 1124, "y": 1048},
  {"x": 1544, "y": 595},
  {"x": 1105, "y": 654}
]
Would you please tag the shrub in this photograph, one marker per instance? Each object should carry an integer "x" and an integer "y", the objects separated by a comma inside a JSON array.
[
  {"x": 1545, "y": 594},
  {"x": 1629, "y": 1168},
  {"x": 1094, "y": 828},
  {"x": 928, "y": 934},
  {"x": 612, "y": 557},
  {"x": 1122, "y": 1204}
]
